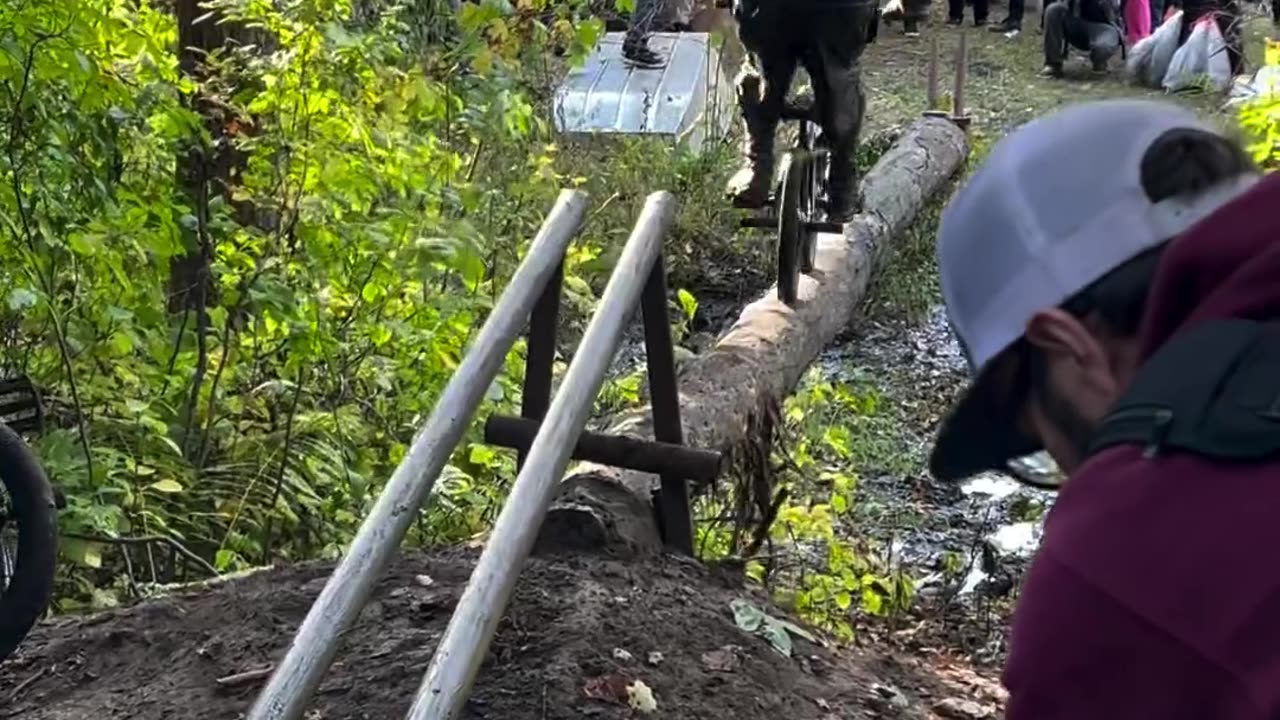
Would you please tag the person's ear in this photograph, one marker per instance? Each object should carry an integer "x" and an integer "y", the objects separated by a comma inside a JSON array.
[{"x": 1057, "y": 333}]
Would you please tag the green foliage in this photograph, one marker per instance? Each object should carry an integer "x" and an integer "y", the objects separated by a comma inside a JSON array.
[
  {"x": 810, "y": 561},
  {"x": 1260, "y": 118},
  {"x": 361, "y": 182}
]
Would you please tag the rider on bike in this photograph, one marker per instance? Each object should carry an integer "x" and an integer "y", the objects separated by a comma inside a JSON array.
[{"x": 827, "y": 37}]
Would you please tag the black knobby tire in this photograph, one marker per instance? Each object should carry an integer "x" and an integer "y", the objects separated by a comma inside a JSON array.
[
  {"x": 27, "y": 501},
  {"x": 813, "y": 202},
  {"x": 791, "y": 229}
]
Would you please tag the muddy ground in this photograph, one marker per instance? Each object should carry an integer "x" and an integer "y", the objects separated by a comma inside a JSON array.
[
  {"x": 965, "y": 545},
  {"x": 578, "y": 627}
]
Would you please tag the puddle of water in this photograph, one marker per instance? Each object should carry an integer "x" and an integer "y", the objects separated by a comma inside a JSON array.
[
  {"x": 1020, "y": 538},
  {"x": 996, "y": 487}
]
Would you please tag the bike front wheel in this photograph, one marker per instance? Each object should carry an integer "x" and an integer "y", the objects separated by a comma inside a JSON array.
[
  {"x": 796, "y": 176},
  {"x": 28, "y": 540}
]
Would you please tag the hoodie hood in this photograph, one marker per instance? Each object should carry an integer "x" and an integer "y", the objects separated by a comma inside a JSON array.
[{"x": 1227, "y": 266}]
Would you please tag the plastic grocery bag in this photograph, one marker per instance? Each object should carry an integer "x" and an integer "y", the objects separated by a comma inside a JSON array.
[
  {"x": 1149, "y": 59},
  {"x": 1191, "y": 62},
  {"x": 1219, "y": 63}
]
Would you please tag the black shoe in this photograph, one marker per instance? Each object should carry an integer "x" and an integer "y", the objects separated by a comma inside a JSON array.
[
  {"x": 911, "y": 28},
  {"x": 642, "y": 57},
  {"x": 979, "y": 23},
  {"x": 955, "y": 21},
  {"x": 1006, "y": 26},
  {"x": 842, "y": 207},
  {"x": 1100, "y": 66}
]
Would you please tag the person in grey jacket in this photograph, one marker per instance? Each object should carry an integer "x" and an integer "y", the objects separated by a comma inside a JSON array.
[
  {"x": 827, "y": 37},
  {"x": 1089, "y": 25}
]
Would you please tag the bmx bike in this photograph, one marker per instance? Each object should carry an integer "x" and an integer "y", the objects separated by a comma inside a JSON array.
[
  {"x": 797, "y": 205},
  {"x": 28, "y": 517}
]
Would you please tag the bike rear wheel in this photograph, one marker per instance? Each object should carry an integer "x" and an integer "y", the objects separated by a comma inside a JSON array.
[
  {"x": 28, "y": 540},
  {"x": 791, "y": 224}
]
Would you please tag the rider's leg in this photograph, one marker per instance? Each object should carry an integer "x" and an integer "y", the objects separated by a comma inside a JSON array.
[
  {"x": 840, "y": 37},
  {"x": 762, "y": 90}
]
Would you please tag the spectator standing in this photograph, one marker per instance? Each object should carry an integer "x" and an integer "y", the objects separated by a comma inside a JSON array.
[
  {"x": 635, "y": 48},
  {"x": 1012, "y": 23},
  {"x": 955, "y": 12}
]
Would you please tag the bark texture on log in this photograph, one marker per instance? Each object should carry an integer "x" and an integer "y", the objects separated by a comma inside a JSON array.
[{"x": 761, "y": 358}]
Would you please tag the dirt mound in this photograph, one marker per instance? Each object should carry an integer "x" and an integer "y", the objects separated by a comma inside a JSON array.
[{"x": 558, "y": 644}]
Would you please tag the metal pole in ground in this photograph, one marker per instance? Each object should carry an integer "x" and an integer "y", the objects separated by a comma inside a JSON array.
[
  {"x": 297, "y": 676},
  {"x": 447, "y": 684}
]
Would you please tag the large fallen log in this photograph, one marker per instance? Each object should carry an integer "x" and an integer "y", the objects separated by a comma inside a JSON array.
[{"x": 760, "y": 360}]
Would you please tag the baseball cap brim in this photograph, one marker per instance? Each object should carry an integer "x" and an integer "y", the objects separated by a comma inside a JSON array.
[{"x": 981, "y": 433}]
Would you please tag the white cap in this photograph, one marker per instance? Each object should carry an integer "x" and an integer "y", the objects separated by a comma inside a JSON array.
[{"x": 1057, "y": 205}]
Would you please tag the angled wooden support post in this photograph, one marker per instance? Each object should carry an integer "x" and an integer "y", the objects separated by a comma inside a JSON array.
[
  {"x": 675, "y": 521},
  {"x": 958, "y": 115},
  {"x": 932, "y": 98},
  {"x": 664, "y": 456}
]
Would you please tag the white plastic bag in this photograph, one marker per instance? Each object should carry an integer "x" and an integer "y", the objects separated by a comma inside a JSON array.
[
  {"x": 1149, "y": 59},
  {"x": 1218, "y": 66},
  {"x": 1191, "y": 61}
]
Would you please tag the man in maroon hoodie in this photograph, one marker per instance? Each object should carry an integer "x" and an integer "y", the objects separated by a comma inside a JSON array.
[{"x": 1101, "y": 270}]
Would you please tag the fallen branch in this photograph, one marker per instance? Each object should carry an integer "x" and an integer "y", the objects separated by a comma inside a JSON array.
[
  {"x": 759, "y": 361},
  {"x": 248, "y": 677}
]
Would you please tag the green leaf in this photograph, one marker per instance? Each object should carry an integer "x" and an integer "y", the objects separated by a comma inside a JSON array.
[
  {"x": 223, "y": 559},
  {"x": 839, "y": 504},
  {"x": 166, "y": 486},
  {"x": 688, "y": 303},
  {"x": 21, "y": 299}
]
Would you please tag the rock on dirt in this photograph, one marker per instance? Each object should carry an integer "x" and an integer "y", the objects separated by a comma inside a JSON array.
[{"x": 164, "y": 658}]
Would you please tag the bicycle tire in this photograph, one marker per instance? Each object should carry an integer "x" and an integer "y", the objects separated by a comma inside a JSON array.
[
  {"x": 813, "y": 191},
  {"x": 27, "y": 595},
  {"x": 791, "y": 225}
]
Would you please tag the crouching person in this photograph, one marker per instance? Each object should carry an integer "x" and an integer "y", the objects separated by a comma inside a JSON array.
[{"x": 1089, "y": 25}]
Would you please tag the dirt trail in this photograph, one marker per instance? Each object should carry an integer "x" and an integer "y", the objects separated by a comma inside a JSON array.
[{"x": 569, "y": 621}]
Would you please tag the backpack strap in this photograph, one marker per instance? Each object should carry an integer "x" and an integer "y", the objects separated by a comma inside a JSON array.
[{"x": 1212, "y": 391}]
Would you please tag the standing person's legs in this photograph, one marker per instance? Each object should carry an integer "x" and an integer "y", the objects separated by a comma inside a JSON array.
[
  {"x": 981, "y": 11},
  {"x": 914, "y": 12},
  {"x": 1157, "y": 13},
  {"x": 839, "y": 37},
  {"x": 1057, "y": 23},
  {"x": 1012, "y": 22},
  {"x": 1137, "y": 20},
  {"x": 635, "y": 47},
  {"x": 955, "y": 12},
  {"x": 762, "y": 83}
]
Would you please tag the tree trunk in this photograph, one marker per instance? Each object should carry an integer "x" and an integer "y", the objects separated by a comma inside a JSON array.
[
  {"x": 726, "y": 393},
  {"x": 203, "y": 170}
]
